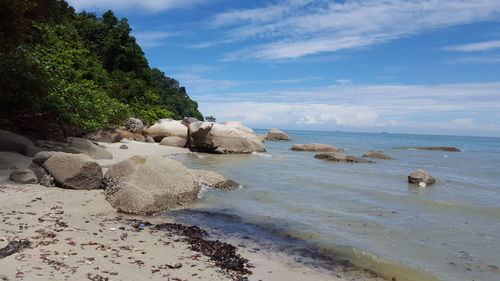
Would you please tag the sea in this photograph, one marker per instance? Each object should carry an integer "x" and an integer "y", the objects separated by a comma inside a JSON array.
[{"x": 365, "y": 213}]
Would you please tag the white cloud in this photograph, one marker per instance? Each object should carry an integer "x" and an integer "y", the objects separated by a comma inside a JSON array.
[
  {"x": 473, "y": 47},
  {"x": 147, "y": 5},
  {"x": 152, "y": 38},
  {"x": 291, "y": 29}
]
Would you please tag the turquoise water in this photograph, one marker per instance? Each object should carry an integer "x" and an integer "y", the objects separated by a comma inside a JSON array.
[{"x": 368, "y": 213}]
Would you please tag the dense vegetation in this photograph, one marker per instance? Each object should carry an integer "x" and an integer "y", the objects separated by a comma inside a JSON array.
[{"x": 79, "y": 71}]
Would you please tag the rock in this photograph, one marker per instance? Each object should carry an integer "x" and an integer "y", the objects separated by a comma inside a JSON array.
[
  {"x": 150, "y": 139},
  {"x": 316, "y": 147},
  {"x": 277, "y": 135},
  {"x": 340, "y": 157},
  {"x": 123, "y": 146},
  {"x": 42, "y": 156},
  {"x": 421, "y": 176},
  {"x": 441, "y": 148},
  {"x": 106, "y": 135},
  {"x": 142, "y": 185},
  {"x": 215, "y": 180},
  {"x": 6, "y": 164},
  {"x": 39, "y": 171},
  {"x": 134, "y": 125},
  {"x": 17, "y": 143},
  {"x": 158, "y": 138},
  {"x": 188, "y": 120},
  {"x": 131, "y": 136},
  {"x": 377, "y": 155},
  {"x": 74, "y": 171},
  {"x": 168, "y": 128},
  {"x": 174, "y": 141},
  {"x": 23, "y": 176},
  {"x": 87, "y": 147},
  {"x": 238, "y": 125},
  {"x": 218, "y": 138}
]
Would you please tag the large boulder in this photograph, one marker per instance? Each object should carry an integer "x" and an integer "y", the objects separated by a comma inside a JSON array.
[
  {"x": 134, "y": 125},
  {"x": 218, "y": 138},
  {"x": 74, "y": 171},
  {"x": 141, "y": 185},
  {"x": 42, "y": 156},
  {"x": 340, "y": 157},
  {"x": 105, "y": 135},
  {"x": 238, "y": 125},
  {"x": 421, "y": 178},
  {"x": 85, "y": 146},
  {"x": 377, "y": 155},
  {"x": 214, "y": 180},
  {"x": 168, "y": 128},
  {"x": 188, "y": 120},
  {"x": 23, "y": 176},
  {"x": 316, "y": 147},
  {"x": 131, "y": 136},
  {"x": 17, "y": 143},
  {"x": 277, "y": 135},
  {"x": 174, "y": 141}
]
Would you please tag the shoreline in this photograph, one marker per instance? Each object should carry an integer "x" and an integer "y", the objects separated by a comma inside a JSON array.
[{"x": 77, "y": 235}]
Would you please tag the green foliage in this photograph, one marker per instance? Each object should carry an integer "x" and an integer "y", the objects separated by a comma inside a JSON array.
[
  {"x": 84, "y": 71},
  {"x": 210, "y": 118}
]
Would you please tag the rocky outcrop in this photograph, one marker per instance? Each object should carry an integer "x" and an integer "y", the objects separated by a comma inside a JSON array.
[
  {"x": 421, "y": 177},
  {"x": 17, "y": 143},
  {"x": 340, "y": 157},
  {"x": 441, "y": 148},
  {"x": 174, "y": 141},
  {"x": 105, "y": 135},
  {"x": 214, "y": 180},
  {"x": 168, "y": 128},
  {"x": 277, "y": 135},
  {"x": 74, "y": 171},
  {"x": 141, "y": 185},
  {"x": 23, "y": 176},
  {"x": 188, "y": 120},
  {"x": 131, "y": 136},
  {"x": 134, "y": 125},
  {"x": 316, "y": 147},
  {"x": 377, "y": 155},
  {"x": 218, "y": 138},
  {"x": 239, "y": 126},
  {"x": 85, "y": 146}
]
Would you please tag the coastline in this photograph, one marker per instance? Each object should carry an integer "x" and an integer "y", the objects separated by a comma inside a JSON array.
[{"x": 77, "y": 235}]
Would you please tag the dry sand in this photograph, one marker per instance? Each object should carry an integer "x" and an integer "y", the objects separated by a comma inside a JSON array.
[{"x": 77, "y": 235}]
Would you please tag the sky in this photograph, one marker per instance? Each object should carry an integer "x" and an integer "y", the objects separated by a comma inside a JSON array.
[{"x": 400, "y": 66}]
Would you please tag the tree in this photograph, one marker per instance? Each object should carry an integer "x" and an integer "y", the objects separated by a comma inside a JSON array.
[{"x": 210, "y": 118}]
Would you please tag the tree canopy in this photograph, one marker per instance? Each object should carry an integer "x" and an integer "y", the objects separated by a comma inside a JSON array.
[{"x": 78, "y": 70}]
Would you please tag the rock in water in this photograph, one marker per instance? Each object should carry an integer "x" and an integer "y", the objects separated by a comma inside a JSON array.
[
  {"x": 421, "y": 176},
  {"x": 134, "y": 125},
  {"x": 277, "y": 135},
  {"x": 316, "y": 147},
  {"x": 87, "y": 147},
  {"x": 218, "y": 138},
  {"x": 340, "y": 157},
  {"x": 377, "y": 155},
  {"x": 142, "y": 185},
  {"x": 74, "y": 171},
  {"x": 174, "y": 141},
  {"x": 23, "y": 176},
  {"x": 213, "y": 179},
  {"x": 168, "y": 128}
]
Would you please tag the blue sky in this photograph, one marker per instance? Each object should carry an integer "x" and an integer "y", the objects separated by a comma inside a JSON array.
[{"x": 410, "y": 66}]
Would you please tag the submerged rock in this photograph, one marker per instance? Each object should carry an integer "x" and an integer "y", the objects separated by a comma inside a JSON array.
[
  {"x": 74, "y": 171},
  {"x": 277, "y": 135},
  {"x": 142, "y": 185},
  {"x": 421, "y": 176},
  {"x": 340, "y": 157},
  {"x": 441, "y": 148},
  {"x": 377, "y": 155},
  {"x": 213, "y": 179},
  {"x": 218, "y": 138},
  {"x": 315, "y": 147}
]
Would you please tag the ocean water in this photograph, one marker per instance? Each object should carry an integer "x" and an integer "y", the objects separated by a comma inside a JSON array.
[{"x": 368, "y": 213}]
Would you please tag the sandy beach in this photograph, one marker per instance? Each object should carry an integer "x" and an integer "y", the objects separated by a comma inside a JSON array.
[{"x": 77, "y": 235}]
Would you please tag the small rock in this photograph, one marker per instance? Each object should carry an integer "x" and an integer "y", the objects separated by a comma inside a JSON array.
[
  {"x": 377, "y": 155},
  {"x": 421, "y": 176},
  {"x": 23, "y": 176},
  {"x": 123, "y": 146},
  {"x": 340, "y": 157}
]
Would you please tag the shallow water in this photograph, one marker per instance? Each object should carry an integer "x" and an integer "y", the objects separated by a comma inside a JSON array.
[{"x": 368, "y": 213}]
